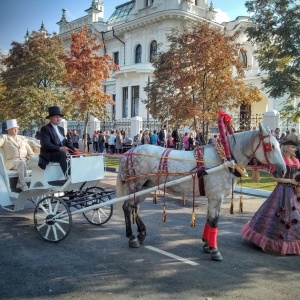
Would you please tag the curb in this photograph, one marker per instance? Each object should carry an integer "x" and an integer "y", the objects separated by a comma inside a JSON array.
[
  {"x": 113, "y": 170},
  {"x": 253, "y": 192}
]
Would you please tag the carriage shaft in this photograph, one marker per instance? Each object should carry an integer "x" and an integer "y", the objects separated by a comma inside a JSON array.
[{"x": 227, "y": 164}]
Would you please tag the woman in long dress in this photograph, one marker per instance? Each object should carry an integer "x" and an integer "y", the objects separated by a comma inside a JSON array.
[{"x": 275, "y": 227}]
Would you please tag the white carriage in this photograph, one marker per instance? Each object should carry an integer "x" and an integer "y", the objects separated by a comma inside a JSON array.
[{"x": 55, "y": 198}]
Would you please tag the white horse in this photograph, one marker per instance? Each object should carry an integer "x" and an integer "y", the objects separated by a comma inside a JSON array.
[{"x": 142, "y": 166}]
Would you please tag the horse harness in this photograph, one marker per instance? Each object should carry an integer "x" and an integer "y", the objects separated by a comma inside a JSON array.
[{"x": 163, "y": 170}]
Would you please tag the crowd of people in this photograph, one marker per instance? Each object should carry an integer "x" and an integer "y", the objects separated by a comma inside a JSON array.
[
  {"x": 289, "y": 135},
  {"x": 117, "y": 141}
]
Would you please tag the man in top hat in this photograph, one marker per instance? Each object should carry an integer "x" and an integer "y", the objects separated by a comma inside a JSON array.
[
  {"x": 54, "y": 145},
  {"x": 17, "y": 152}
]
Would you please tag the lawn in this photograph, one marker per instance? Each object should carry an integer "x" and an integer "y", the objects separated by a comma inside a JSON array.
[
  {"x": 111, "y": 162},
  {"x": 266, "y": 181}
]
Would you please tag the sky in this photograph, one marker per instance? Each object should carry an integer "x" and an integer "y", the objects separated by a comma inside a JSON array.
[{"x": 16, "y": 16}]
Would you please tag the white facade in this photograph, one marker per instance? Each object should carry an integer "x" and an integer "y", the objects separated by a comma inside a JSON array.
[{"x": 139, "y": 23}]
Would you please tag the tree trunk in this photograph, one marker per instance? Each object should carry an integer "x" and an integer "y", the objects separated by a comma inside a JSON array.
[{"x": 85, "y": 140}]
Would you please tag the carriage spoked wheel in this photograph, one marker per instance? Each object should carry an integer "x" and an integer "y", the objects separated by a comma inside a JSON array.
[
  {"x": 98, "y": 216},
  {"x": 52, "y": 219}
]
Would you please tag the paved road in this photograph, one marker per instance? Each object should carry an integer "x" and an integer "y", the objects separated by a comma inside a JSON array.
[{"x": 96, "y": 262}]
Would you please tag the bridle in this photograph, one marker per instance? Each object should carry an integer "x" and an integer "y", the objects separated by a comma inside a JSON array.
[{"x": 267, "y": 147}]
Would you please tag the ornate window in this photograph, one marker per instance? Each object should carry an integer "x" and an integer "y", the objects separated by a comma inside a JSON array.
[
  {"x": 138, "y": 54},
  {"x": 243, "y": 57},
  {"x": 125, "y": 103},
  {"x": 135, "y": 92},
  {"x": 148, "y": 2},
  {"x": 116, "y": 58},
  {"x": 153, "y": 50}
]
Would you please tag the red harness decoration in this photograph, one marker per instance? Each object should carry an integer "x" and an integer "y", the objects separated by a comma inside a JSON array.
[
  {"x": 163, "y": 166},
  {"x": 224, "y": 123},
  {"x": 267, "y": 147}
]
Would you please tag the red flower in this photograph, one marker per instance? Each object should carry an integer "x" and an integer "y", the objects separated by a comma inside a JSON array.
[{"x": 288, "y": 226}]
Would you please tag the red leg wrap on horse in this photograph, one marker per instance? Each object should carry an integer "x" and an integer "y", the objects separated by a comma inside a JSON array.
[
  {"x": 212, "y": 237},
  {"x": 205, "y": 233}
]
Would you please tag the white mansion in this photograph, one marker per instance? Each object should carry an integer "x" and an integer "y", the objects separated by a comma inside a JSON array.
[{"x": 132, "y": 35}]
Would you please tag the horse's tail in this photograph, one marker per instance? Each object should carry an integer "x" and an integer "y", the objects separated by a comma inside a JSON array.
[{"x": 121, "y": 191}]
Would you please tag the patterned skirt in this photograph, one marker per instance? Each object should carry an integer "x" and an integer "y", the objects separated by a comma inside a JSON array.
[{"x": 275, "y": 227}]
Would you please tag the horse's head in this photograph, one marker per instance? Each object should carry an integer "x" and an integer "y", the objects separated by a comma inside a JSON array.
[{"x": 266, "y": 150}]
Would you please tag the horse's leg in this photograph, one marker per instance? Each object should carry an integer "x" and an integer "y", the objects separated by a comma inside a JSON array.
[
  {"x": 133, "y": 241},
  {"x": 212, "y": 229},
  {"x": 205, "y": 236},
  {"x": 141, "y": 229}
]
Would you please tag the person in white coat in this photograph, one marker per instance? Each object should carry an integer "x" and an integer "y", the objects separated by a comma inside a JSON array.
[{"x": 17, "y": 152}]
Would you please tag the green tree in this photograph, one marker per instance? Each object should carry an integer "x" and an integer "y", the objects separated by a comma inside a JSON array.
[
  {"x": 199, "y": 74},
  {"x": 86, "y": 72},
  {"x": 32, "y": 74},
  {"x": 276, "y": 31}
]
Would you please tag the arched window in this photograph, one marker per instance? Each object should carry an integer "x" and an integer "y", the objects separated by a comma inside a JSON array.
[
  {"x": 243, "y": 57},
  {"x": 138, "y": 54},
  {"x": 153, "y": 50},
  {"x": 148, "y": 2}
]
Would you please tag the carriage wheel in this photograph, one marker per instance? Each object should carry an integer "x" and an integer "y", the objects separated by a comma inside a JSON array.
[
  {"x": 100, "y": 215},
  {"x": 52, "y": 219}
]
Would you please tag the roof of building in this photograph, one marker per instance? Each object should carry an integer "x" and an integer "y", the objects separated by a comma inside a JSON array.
[{"x": 121, "y": 12}]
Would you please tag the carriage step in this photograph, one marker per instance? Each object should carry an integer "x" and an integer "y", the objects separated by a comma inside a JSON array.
[
  {"x": 9, "y": 207},
  {"x": 58, "y": 182}
]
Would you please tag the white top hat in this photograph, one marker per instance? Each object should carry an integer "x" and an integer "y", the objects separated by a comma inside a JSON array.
[{"x": 11, "y": 124}]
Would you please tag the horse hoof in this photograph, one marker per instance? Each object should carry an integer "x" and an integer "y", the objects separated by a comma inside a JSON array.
[
  {"x": 141, "y": 237},
  {"x": 206, "y": 247},
  {"x": 134, "y": 243},
  {"x": 215, "y": 254}
]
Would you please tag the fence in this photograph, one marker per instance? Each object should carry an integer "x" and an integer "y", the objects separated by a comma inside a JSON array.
[{"x": 240, "y": 122}]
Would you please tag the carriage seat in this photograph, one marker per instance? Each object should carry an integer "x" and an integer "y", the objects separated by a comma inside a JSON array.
[
  {"x": 35, "y": 146},
  {"x": 10, "y": 173}
]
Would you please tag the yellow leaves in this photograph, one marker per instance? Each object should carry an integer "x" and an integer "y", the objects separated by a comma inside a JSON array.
[{"x": 86, "y": 71}]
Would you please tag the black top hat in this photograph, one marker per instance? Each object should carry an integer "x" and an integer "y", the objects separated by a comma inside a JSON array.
[
  {"x": 291, "y": 143},
  {"x": 54, "y": 111}
]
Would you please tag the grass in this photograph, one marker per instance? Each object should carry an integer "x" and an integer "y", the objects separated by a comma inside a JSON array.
[
  {"x": 111, "y": 162},
  {"x": 266, "y": 181}
]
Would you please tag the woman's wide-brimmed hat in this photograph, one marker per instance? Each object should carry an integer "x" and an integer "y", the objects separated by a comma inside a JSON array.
[
  {"x": 54, "y": 111},
  {"x": 289, "y": 143},
  {"x": 11, "y": 124}
]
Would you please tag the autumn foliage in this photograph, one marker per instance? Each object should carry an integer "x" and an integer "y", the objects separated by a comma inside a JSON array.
[
  {"x": 87, "y": 70},
  {"x": 31, "y": 77},
  {"x": 199, "y": 74}
]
